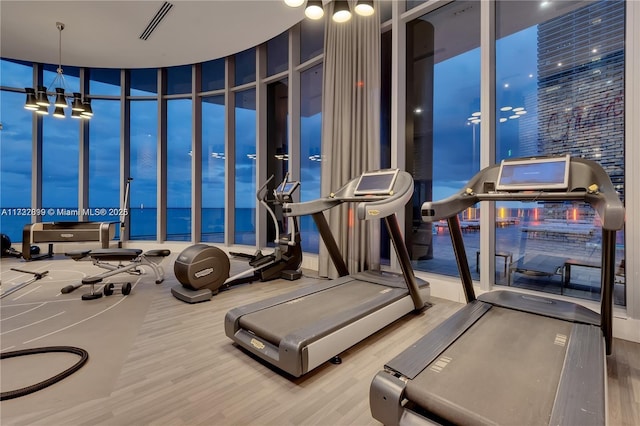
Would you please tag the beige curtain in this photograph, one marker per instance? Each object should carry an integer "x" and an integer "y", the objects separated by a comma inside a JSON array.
[{"x": 350, "y": 131}]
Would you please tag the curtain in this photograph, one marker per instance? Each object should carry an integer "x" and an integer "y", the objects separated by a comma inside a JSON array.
[{"x": 350, "y": 131}]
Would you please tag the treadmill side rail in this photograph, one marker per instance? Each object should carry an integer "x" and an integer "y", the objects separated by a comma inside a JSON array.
[
  {"x": 418, "y": 356},
  {"x": 581, "y": 396}
]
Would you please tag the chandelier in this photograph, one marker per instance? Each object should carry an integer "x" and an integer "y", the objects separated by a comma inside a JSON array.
[
  {"x": 341, "y": 12},
  {"x": 38, "y": 99}
]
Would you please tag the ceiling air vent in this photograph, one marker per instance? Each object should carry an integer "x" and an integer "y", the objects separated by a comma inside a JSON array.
[{"x": 166, "y": 7}]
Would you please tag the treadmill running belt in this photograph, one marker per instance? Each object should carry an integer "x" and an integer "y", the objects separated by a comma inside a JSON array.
[
  {"x": 474, "y": 380},
  {"x": 358, "y": 297}
]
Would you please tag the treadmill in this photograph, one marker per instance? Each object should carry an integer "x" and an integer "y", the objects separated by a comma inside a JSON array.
[
  {"x": 508, "y": 357},
  {"x": 299, "y": 331}
]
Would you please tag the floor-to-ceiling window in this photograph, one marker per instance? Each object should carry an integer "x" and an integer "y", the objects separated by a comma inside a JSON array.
[
  {"x": 178, "y": 170},
  {"x": 213, "y": 158},
  {"x": 277, "y": 147},
  {"x": 60, "y": 155},
  {"x": 310, "y": 149},
  {"x": 443, "y": 117},
  {"x": 213, "y": 151},
  {"x": 15, "y": 150},
  {"x": 143, "y": 151},
  {"x": 179, "y": 151},
  {"x": 245, "y": 146},
  {"x": 143, "y": 170},
  {"x": 104, "y": 148},
  {"x": 245, "y": 167},
  {"x": 560, "y": 90},
  {"x": 277, "y": 50}
]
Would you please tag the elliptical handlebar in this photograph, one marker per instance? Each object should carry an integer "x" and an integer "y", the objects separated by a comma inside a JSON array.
[
  {"x": 261, "y": 193},
  {"x": 285, "y": 190}
]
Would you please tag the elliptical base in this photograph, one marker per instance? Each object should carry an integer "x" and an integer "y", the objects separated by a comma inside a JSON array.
[{"x": 191, "y": 296}]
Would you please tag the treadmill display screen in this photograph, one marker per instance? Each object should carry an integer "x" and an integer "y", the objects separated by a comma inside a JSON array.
[
  {"x": 287, "y": 188},
  {"x": 534, "y": 174},
  {"x": 379, "y": 182}
]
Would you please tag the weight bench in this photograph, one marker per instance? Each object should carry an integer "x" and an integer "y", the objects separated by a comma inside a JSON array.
[{"x": 106, "y": 258}]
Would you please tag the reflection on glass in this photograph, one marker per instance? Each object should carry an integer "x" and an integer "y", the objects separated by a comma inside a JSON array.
[
  {"x": 311, "y": 39},
  {"x": 143, "y": 168},
  {"x": 413, "y": 3},
  {"x": 212, "y": 75},
  {"x": 15, "y": 155},
  {"x": 278, "y": 54},
  {"x": 213, "y": 158},
  {"x": 245, "y": 66},
  {"x": 104, "y": 81},
  {"x": 179, "y": 80},
  {"x": 245, "y": 166},
  {"x": 310, "y": 150},
  {"x": 144, "y": 82},
  {"x": 557, "y": 98},
  {"x": 443, "y": 90}
]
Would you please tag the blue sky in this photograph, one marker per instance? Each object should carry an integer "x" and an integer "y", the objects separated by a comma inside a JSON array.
[{"x": 456, "y": 96}]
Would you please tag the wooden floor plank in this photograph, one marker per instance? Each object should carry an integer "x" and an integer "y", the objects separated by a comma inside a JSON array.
[{"x": 181, "y": 369}]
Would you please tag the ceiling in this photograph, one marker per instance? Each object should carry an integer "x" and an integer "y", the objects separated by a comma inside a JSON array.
[{"x": 105, "y": 34}]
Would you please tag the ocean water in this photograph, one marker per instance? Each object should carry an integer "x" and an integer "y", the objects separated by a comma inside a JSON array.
[{"x": 143, "y": 223}]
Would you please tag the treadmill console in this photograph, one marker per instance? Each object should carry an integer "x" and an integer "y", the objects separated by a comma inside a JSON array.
[
  {"x": 285, "y": 190},
  {"x": 378, "y": 182},
  {"x": 534, "y": 174},
  {"x": 554, "y": 179}
]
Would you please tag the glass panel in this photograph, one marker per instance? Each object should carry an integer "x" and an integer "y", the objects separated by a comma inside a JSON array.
[
  {"x": 385, "y": 100},
  {"x": 70, "y": 74},
  {"x": 311, "y": 39},
  {"x": 443, "y": 90},
  {"x": 245, "y": 164},
  {"x": 144, "y": 82},
  {"x": 310, "y": 150},
  {"x": 560, "y": 90},
  {"x": 60, "y": 151},
  {"x": 144, "y": 169},
  {"x": 15, "y": 155},
  {"x": 179, "y": 80},
  {"x": 385, "y": 130},
  {"x": 385, "y": 11},
  {"x": 212, "y": 75},
  {"x": 213, "y": 157},
  {"x": 15, "y": 74},
  {"x": 178, "y": 170},
  {"x": 104, "y": 81},
  {"x": 104, "y": 162},
  {"x": 245, "y": 65},
  {"x": 278, "y": 54},
  {"x": 277, "y": 147},
  {"x": 413, "y": 3}
]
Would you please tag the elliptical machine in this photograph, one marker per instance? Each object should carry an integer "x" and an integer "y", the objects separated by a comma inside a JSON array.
[{"x": 203, "y": 270}]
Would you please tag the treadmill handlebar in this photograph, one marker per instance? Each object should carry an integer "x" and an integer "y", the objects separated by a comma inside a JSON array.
[
  {"x": 588, "y": 182},
  {"x": 368, "y": 206}
]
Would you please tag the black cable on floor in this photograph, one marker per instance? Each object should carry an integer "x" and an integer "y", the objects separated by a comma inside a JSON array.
[{"x": 84, "y": 357}]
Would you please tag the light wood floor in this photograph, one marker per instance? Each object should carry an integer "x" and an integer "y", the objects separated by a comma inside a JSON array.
[{"x": 181, "y": 369}]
